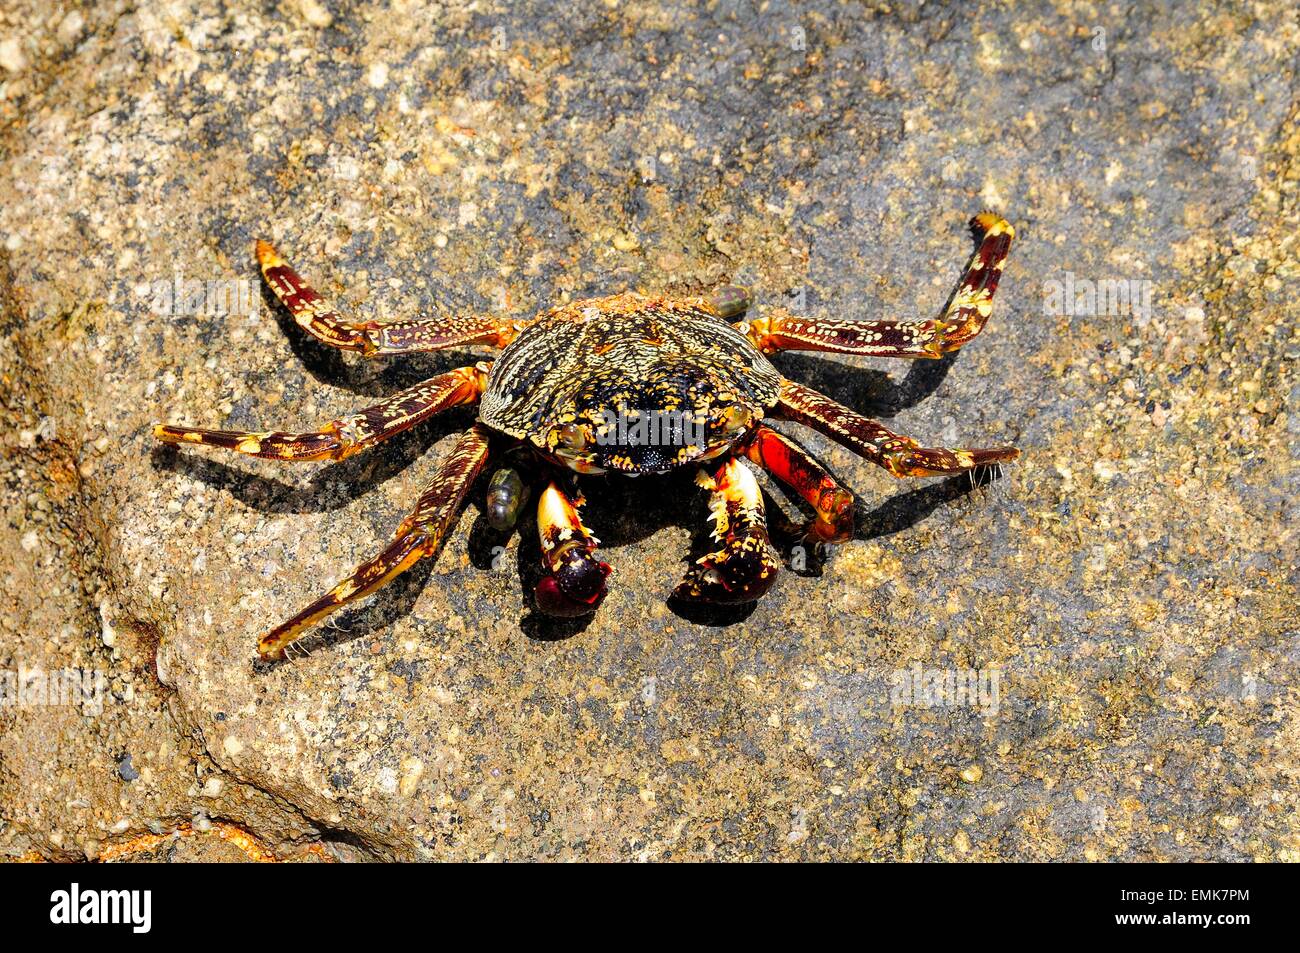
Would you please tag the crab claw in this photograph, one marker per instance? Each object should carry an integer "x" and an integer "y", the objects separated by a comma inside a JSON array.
[
  {"x": 744, "y": 568},
  {"x": 574, "y": 583},
  {"x": 740, "y": 573},
  {"x": 576, "y": 588}
]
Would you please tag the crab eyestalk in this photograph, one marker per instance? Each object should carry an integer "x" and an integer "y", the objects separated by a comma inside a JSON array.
[
  {"x": 571, "y": 444},
  {"x": 575, "y": 581},
  {"x": 730, "y": 301},
  {"x": 737, "y": 417},
  {"x": 506, "y": 495}
]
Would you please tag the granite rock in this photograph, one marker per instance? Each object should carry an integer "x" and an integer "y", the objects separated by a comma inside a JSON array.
[{"x": 1130, "y": 582}]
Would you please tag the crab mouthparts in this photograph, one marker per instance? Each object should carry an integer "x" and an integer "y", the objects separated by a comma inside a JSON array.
[
  {"x": 633, "y": 458},
  {"x": 641, "y": 441}
]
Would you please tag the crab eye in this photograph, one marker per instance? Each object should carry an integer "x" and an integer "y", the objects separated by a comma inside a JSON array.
[
  {"x": 737, "y": 417},
  {"x": 730, "y": 301},
  {"x": 572, "y": 437}
]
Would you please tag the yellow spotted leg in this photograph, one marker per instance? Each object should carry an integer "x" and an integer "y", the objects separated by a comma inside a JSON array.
[
  {"x": 323, "y": 321},
  {"x": 418, "y": 537},
  {"x": 965, "y": 317},
  {"x": 902, "y": 456},
  {"x": 347, "y": 435}
]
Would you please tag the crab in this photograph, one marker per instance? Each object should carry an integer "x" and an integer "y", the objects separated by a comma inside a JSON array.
[{"x": 626, "y": 384}]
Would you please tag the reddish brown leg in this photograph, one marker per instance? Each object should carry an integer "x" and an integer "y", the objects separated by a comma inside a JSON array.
[
  {"x": 319, "y": 318},
  {"x": 575, "y": 581},
  {"x": 347, "y": 435},
  {"x": 900, "y": 455},
  {"x": 744, "y": 568},
  {"x": 973, "y": 303},
  {"x": 792, "y": 465},
  {"x": 418, "y": 537},
  {"x": 965, "y": 317}
]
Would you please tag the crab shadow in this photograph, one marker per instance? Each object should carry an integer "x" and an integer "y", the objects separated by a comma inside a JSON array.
[
  {"x": 622, "y": 513},
  {"x": 894, "y": 514},
  {"x": 869, "y": 391},
  {"x": 625, "y": 512}
]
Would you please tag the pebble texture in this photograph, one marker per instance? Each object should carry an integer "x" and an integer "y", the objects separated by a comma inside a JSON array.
[{"x": 1132, "y": 579}]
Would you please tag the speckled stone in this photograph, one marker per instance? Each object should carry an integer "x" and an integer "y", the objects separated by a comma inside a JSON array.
[{"x": 1132, "y": 579}]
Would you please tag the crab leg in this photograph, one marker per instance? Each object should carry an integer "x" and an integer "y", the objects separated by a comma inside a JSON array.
[
  {"x": 900, "y": 455},
  {"x": 744, "y": 568},
  {"x": 575, "y": 581},
  {"x": 319, "y": 318},
  {"x": 793, "y": 466},
  {"x": 347, "y": 435},
  {"x": 965, "y": 317},
  {"x": 418, "y": 537}
]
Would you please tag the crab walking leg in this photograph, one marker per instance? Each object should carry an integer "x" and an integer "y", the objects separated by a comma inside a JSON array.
[
  {"x": 793, "y": 466},
  {"x": 418, "y": 537},
  {"x": 347, "y": 435},
  {"x": 965, "y": 317},
  {"x": 744, "y": 568},
  {"x": 973, "y": 303},
  {"x": 900, "y": 455},
  {"x": 319, "y": 318},
  {"x": 781, "y": 331},
  {"x": 575, "y": 581}
]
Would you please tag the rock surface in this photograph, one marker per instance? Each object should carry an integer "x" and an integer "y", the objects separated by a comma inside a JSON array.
[{"x": 1132, "y": 579}]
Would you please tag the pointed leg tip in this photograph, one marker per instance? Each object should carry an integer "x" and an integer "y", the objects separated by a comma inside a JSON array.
[
  {"x": 267, "y": 255},
  {"x": 975, "y": 459},
  {"x": 170, "y": 435},
  {"x": 991, "y": 224},
  {"x": 269, "y": 650}
]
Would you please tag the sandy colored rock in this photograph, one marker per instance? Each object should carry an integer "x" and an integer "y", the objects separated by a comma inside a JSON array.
[{"x": 1132, "y": 580}]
